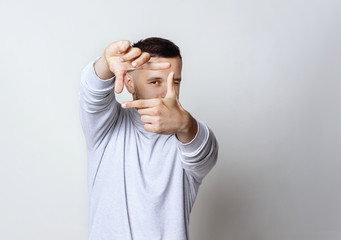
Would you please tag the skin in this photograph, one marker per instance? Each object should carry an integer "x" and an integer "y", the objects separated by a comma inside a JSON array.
[
  {"x": 147, "y": 84},
  {"x": 154, "y": 84}
]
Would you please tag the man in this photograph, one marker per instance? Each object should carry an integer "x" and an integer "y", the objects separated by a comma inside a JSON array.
[{"x": 146, "y": 157}]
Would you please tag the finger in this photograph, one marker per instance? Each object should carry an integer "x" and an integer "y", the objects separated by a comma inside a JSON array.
[
  {"x": 143, "y": 103},
  {"x": 117, "y": 48},
  {"x": 123, "y": 46},
  {"x": 170, "y": 86},
  {"x": 144, "y": 58},
  {"x": 146, "y": 111},
  {"x": 147, "y": 119},
  {"x": 145, "y": 66},
  {"x": 119, "y": 81},
  {"x": 131, "y": 54},
  {"x": 149, "y": 127},
  {"x": 156, "y": 66}
]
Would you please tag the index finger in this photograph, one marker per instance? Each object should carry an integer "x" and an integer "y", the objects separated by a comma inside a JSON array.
[
  {"x": 151, "y": 66},
  {"x": 142, "y": 103},
  {"x": 155, "y": 66}
]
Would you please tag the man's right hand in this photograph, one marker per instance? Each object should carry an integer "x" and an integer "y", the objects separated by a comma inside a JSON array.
[{"x": 119, "y": 58}]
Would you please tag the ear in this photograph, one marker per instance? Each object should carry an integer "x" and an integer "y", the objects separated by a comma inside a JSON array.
[{"x": 129, "y": 83}]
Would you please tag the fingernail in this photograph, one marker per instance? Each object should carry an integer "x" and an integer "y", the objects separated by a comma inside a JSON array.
[
  {"x": 134, "y": 64},
  {"x": 119, "y": 52},
  {"x": 123, "y": 105},
  {"x": 121, "y": 59}
]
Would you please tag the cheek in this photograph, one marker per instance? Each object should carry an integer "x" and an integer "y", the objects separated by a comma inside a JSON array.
[
  {"x": 156, "y": 91},
  {"x": 151, "y": 91}
]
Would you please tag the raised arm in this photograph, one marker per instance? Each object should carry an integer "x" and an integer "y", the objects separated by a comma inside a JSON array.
[
  {"x": 99, "y": 109},
  {"x": 100, "y": 80}
]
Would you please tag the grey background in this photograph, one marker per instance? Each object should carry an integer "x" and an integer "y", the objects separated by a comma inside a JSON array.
[{"x": 265, "y": 76}]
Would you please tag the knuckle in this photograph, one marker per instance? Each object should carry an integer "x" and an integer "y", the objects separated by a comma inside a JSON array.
[
  {"x": 157, "y": 128},
  {"x": 140, "y": 104},
  {"x": 146, "y": 56},
  {"x": 159, "y": 102},
  {"x": 158, "y": 120},
  {"x": 157, "y": 112},
  {"x": 125, "y": 43},
  {"x": 141, "y": 58},
  {"x": 137, "y": 51}
]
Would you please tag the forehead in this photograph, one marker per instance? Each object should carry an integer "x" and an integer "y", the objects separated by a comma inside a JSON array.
[
  {"x": 173, "y": 60},
  {"x": 176, "y": 67}
]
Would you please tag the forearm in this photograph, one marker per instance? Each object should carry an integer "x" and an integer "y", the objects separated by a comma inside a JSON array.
[
  {"x": 102, "y": 70},
  {"x": 98, "y": 107},
  {"x": 199, "y": 155}
]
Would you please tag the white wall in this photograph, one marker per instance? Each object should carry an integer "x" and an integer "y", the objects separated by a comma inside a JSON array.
[{"x": 265, "y": 75}]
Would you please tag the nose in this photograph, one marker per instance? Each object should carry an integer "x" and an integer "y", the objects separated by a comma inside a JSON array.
[{"x": 163, "y": 91}]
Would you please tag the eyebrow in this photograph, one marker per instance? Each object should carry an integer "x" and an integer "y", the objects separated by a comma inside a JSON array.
[{"x": 158, "y": 78}]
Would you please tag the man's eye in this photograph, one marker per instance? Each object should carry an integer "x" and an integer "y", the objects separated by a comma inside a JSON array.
[{"x": 155, "y": 82}]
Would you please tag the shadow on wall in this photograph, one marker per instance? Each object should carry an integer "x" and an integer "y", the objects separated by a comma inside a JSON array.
[{"x": 228, "y": 205}]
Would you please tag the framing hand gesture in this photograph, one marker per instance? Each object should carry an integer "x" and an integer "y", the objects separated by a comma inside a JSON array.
[
  {"x": 121, "y": 58},
  {"x": 165, "y": 115}
]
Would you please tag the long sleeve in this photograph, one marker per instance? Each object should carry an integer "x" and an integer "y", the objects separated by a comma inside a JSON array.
[
  {"x": 199, "y": 156},
  {"x": 99, "y": 109}
]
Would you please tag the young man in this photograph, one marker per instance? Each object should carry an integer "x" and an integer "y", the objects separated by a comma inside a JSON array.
[{"x": 146, "y": 157}]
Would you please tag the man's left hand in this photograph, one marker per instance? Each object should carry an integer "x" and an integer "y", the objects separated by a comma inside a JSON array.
[{"x": 166, "y": 115}]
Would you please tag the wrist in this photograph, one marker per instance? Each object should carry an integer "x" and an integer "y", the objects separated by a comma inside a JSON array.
[
  {"x": 188, "y": 130},
  {"x": 102, "y": 70}
]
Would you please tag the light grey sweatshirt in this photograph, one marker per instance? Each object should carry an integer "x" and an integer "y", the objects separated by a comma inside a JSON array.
[{"x": 142, "y": 185}]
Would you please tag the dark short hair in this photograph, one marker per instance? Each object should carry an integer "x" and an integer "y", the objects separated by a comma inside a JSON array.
[{"x": 158, "y": 47}]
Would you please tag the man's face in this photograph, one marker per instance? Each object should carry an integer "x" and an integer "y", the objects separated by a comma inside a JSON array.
[{"x": 153, "y": 83}]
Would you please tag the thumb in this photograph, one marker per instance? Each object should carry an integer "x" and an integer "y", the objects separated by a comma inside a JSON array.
[
  {"x": 119, "y": 81},
  {"x": 170, "y": 86}
]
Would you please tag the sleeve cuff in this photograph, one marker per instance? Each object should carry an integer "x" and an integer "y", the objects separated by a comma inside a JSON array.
[{"x": 198, "y": 142}]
